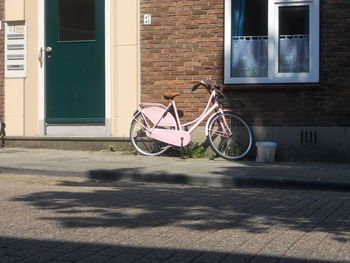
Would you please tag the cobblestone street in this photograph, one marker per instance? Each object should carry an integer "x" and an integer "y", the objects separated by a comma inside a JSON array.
[{"x": 49, "y": 219}]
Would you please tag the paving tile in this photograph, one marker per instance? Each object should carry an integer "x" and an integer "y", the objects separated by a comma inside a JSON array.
[
  {"x": 210, "y": 257},
  {"x": 183, "y": 224},
  {"x": 161, "y": 254},
  {"x": 184, "y": 257},
  {"x": 9, "y": 259},
  {"x": 125, "y": 258}
]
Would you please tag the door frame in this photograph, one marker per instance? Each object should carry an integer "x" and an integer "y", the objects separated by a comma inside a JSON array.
[{"x": 42, "y": 77}]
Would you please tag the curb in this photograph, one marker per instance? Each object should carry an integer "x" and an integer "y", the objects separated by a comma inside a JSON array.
[{"x": 124, "y": 175}]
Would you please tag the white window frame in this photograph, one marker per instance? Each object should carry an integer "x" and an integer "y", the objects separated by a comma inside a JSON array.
[{"x": 273, "y": 75}]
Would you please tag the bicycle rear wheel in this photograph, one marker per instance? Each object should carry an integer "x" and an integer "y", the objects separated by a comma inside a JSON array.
[
  {"x": 142, "y": 143},
  {"x": 230, "y": 136}
]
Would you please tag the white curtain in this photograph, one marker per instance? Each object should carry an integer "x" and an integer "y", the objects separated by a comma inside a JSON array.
[
  {"x": 249, "y": 56},
  {"x": 294, "y": 53}
]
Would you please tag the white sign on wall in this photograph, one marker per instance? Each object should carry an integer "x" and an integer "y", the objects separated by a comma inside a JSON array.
[
  {"x": 15, "y": 50},
  {"x": 147, "y": 19}
]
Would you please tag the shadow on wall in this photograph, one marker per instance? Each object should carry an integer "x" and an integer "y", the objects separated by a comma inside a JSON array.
[
  {"x": 34, "y": 250},
  {"x": 299, "y": 119},
  {"x": 279, "y": 106}
]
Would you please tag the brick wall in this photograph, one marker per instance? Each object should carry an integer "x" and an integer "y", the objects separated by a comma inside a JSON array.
[
  {"x": 186, "y": 36},
  {"x": 2, "y": 50}
]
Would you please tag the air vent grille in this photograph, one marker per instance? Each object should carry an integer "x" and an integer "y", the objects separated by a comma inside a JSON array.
[{"x": 308, "y": 137}]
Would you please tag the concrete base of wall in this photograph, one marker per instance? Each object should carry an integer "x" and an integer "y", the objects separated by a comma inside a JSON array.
[
  {"x": 69, "y": 143},
  {"x": 294, "y": 143},
  {"x": 308, "y": 143},
  {"x": 303, "y": 143}
]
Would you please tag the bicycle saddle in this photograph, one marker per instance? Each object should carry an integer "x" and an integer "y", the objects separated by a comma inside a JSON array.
[{"x": 171, "y": 96}]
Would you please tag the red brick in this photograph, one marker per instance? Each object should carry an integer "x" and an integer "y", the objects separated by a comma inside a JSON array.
[{"x": 187, "y": 36}]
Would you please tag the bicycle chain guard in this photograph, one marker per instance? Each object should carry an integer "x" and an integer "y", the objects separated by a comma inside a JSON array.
[
  {"x": 157, "y": 114},
  {"x": 173, "y": 137}
]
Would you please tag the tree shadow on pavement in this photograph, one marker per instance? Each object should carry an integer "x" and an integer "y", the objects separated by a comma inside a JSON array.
[
  {"x": 249, "y": 175},
  {"x": 135, "y": 206},
  {"x": 36, "y": 250}
]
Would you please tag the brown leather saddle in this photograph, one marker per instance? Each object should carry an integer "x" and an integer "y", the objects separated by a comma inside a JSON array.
[{"x": 171, "y": 96}]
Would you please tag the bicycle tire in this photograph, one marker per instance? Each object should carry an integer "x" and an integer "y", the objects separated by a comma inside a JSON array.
[
  {"x": 141, "y": 142},
  {"x": 233, "y": 147}
]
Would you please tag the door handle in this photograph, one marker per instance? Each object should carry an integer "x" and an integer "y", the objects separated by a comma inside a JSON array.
[
  {"x": 41, "y": 56},
  {"x": 48, "y": 51}
]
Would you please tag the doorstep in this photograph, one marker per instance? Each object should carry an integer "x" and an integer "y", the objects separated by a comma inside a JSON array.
[{"x": 67, "y": 143}]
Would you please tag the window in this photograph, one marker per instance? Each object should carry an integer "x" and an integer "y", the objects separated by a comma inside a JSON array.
[
  {"x": 271, "y": 41},
  {"x": 76, "y": 20}
]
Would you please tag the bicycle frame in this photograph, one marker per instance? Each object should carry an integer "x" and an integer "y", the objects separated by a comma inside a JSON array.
[
  {"x": 205, "y": 114},
  {"x": 161, "y": 116},
  {"x": 156, "y": 128}
]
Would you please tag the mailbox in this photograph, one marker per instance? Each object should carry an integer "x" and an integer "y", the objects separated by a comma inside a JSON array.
[{"x": 15, "y": 50}]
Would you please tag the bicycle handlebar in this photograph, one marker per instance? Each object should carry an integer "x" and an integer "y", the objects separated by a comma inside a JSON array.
[
  {"x": 200, "y": 83},
  {"x": 208, "y": 85}
]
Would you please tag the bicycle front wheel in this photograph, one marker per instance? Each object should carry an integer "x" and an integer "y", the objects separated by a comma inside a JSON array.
[
  {"x": 142, "y": 143},
  {"x": 230, "y": 136}
]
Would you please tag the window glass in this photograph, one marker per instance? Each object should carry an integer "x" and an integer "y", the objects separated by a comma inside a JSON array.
[
  {"x": 249, "y": 38},
  {"x": 294, "y": 39},
  {"x": 269, "y": 41},
  {"x": 76, "y": 20}
]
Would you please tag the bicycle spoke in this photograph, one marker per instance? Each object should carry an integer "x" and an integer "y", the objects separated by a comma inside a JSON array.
[
  {"x": 140, "y": 140},
  {"x": 219, "y": 133},
  {"x": 229, "y": 136},
  {"x": 222, "y": 143},
  {"x": 227, "y": 145}
]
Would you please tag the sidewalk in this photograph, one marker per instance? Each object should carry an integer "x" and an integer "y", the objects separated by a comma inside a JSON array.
[{"x": 199, "y": 172}]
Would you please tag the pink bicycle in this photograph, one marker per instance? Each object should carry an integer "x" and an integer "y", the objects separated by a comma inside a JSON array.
[{"x": 155, "y": 127}]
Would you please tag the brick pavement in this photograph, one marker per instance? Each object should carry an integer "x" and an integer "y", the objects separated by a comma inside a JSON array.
[{"x": 49, "y": 219}]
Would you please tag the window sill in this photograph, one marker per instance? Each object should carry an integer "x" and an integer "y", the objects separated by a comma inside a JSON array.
[{"x": 272, "y": 86}]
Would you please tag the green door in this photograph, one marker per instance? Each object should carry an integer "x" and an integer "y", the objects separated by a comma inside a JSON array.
[{"x": 75, "y": 61}]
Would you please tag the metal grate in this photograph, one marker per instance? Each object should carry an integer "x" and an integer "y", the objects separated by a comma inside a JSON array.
[{"x": 308, "y": 137}]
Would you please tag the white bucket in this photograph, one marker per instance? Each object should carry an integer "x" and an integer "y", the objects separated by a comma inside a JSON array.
[{"x": 266, "y": 151}]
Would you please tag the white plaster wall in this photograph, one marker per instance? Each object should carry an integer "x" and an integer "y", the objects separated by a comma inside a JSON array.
[
  {"x": 125, "y": 64},
  {"x": 22, "y": 96}
]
